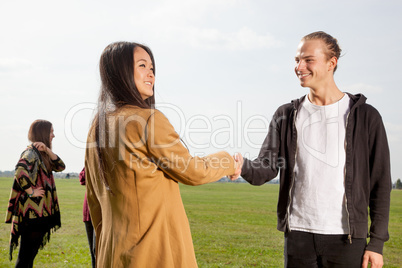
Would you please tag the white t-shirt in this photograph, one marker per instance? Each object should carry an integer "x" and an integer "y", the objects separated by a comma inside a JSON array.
[{"x": 318, "y": 201}]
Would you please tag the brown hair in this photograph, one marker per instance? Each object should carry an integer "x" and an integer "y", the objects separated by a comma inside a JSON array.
[
  {"x": 333, "y": 49},
  {"x": 118, "y": 88},
  {"x": 40, "y": 132}
]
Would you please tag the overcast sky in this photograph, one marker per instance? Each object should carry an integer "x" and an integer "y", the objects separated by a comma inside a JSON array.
[{"x": 222, "y": 67}]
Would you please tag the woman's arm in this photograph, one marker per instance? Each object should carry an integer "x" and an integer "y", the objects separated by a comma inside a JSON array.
[
  {"x": 37, "y": 192},
  {"x": 58, "y": 164},
  {"x": 23, "y": 177},
  {"x": 43, "y": 148},
  {"x": 169, "y": 154}
]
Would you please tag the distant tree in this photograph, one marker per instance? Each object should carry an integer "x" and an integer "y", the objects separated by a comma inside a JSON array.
[
  {"x": 399, "y": 184},
  {"x": 7, "y": 173}
]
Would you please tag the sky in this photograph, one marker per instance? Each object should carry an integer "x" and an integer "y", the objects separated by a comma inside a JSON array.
[{"x": 222, "y": 66}]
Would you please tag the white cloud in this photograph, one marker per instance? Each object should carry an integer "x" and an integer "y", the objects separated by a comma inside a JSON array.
[
  {"x": 394, "y": 132},
  {"x": 394, "y": 135},
  {"x": 365, "y": 88},
  {"x": 186, "y": 26},
  {"x": 10, "y": 65},
  {"x": 207, "y": 38}
]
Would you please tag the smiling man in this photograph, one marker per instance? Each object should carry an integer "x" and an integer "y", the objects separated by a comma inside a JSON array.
[{"x": 337, "y": 166}]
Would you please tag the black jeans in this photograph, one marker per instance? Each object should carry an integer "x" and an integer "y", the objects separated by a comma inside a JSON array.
[
  {"x": 91, "y": 240},
  {"x": 29, "y": 246},
  {"x": 306, "y": 250}
]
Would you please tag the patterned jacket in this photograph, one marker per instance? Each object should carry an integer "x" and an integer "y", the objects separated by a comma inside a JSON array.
[{"x": 34, "y": 212}]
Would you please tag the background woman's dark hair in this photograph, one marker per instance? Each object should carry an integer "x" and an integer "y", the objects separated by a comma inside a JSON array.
[
  {"x": 40, "y": 132},
  {"x": 333, "y": 49},
  {"x": 117, "y": 89}
]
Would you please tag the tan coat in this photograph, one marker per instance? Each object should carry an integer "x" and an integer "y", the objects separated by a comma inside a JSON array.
[{"x": 143, "y": 223}]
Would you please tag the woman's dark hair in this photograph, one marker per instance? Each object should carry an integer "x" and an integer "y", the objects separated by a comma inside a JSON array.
[
  {"x": 39, "y": 131},
  {"x": 117, "y": 76},
  {"x": 333, "y": 49},
  {"x": 118, "y": 88}
]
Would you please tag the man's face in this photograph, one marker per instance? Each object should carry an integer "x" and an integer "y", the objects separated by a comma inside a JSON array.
[{"x": 312, "y": 67}]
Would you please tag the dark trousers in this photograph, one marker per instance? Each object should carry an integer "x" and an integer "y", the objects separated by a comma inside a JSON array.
[
  {"x": 91, "y": 240},
  {"x": 29, "y": 246},
  {"x": 306, "y": 250}
]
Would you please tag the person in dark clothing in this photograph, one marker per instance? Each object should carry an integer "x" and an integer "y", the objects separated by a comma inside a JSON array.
[
  {"x": 332, "y": 154},
  {"x": 86, "y": 218}
]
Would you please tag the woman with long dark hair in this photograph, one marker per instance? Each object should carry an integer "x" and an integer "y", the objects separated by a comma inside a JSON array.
[
  {"x": 33, "y": 208},
  {"x": 134, "y": 162}
]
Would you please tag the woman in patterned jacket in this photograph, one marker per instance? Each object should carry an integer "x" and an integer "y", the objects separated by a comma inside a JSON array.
[{"x": 33, "y": 208}]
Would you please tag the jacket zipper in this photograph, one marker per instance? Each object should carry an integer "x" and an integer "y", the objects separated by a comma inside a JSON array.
[
  {"x": 346, "y": 199},
  {"x": 293, "y": 177}
]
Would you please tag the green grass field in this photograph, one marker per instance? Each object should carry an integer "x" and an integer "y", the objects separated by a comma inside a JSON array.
[{"x": 233, "y": 225}]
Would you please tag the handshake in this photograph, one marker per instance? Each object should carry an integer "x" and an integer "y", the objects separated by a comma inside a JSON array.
[{"x": 239, "y": 164}]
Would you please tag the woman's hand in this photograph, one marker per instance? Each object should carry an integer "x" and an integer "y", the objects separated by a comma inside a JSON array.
[
  {"x": 239, "y": 164},
  {"x": 43, "y": 148},
  {"x": 37, "y": 192},
  {"x": 40, "y": 146}
]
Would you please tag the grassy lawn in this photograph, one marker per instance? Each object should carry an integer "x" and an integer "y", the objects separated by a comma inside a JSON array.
[{"x": 233, "y": 225}]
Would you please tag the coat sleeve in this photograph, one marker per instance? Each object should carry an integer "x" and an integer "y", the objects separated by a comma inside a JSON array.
[
  {"x": 169, "y": 154},
  {"x": 82, "y": 176},
  {"x": 380, "y": 185},
  {"x": 265, "y": 167},
  {"x": 58, "y": 165}
]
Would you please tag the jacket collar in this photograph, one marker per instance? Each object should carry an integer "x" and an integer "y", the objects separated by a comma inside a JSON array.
[{"x": 355, "y": 100}]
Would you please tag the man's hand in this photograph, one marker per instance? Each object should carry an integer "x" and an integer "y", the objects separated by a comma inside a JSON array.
[
  {"x": 374, "y": 258},
  {"x": 239, "y": 164}
]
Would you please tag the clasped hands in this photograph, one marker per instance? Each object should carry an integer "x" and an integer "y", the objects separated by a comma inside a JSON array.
[{"x": 239, "y": 164}]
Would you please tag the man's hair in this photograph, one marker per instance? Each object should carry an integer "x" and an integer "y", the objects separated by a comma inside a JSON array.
[{"x": 333, "y": 49}]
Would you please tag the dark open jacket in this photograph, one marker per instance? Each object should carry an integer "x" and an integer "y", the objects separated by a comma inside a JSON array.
[{"x": 367, "y": 176}]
